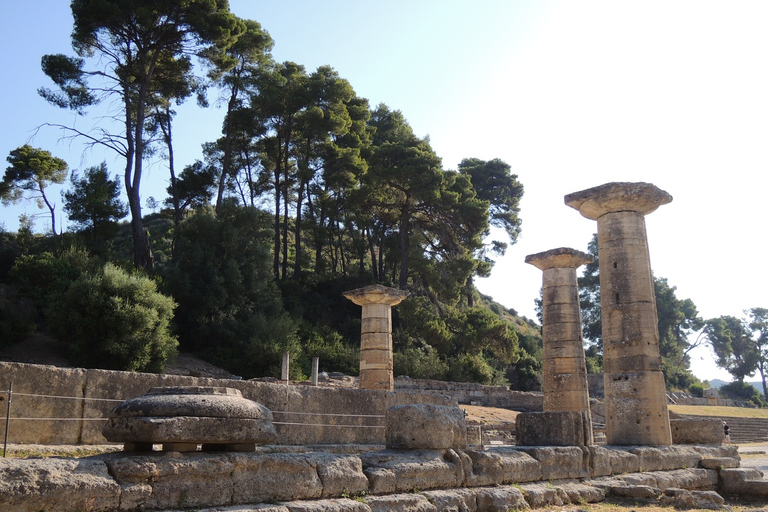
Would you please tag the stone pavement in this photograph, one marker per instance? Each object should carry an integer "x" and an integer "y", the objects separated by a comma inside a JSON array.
[{"x": 755, "y": 455}]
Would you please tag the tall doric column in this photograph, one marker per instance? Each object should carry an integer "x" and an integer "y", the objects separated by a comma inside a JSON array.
[
  {"x": 565, "y": 369},
  {"x": 376, "y": 334},
  {"x": 635, "y": 393}
]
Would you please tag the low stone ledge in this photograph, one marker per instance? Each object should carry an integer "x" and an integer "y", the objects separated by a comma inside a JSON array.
[
  {"x": 499, "y": 466},
  {"x": 332, "y": 505},
  {"x": 72, "y": 484},
  {"x": 560, "y": 462},
  {"x": 406, "y": 470},
  {"x": 405, "y": 502},
  {"x": 685, "y": 499},
  {"x": 236, "y": 481},
  {"x": 738, "y": 480}
]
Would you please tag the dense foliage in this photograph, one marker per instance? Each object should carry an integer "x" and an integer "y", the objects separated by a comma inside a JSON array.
[{"x": 309, "y": 192}]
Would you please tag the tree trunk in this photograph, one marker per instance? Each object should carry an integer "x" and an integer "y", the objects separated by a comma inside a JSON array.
[
  {"x": 404, "y": 247},
  {"x": 227, "y": 148},
  {"x": 371, "y": 248},
  {"x": 276, "y": 258}
]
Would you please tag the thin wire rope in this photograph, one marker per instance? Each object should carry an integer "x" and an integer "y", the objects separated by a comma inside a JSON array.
[
  {"x": 71, "y": 397},
  {"x": 331, "y": 414},
  {"x": 58, "y": 419},
  {"x": 326, "y": 425}
]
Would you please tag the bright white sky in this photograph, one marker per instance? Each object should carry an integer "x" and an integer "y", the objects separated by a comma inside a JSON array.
[{"x": 572, "y": 94}]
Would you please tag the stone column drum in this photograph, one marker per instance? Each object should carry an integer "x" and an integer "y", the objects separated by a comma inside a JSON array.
[
  {"x": 564, "y": 366},
  {"x": 635, "y": 394},
  {"x": 376, "y": 364}
]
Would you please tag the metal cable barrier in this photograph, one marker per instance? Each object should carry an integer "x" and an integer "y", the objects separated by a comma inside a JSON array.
[{"x": 9, "y": 395}]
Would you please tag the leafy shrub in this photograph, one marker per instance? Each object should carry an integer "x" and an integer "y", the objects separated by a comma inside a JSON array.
[
  {"x": 115, "y": 320},
  {"x": 15, "y": 317},
  {"x": 420, "y": 363},
  {"x": 230, "y": 311},
  {"x": 743, "y": 391},
  {"x": 328, "y": 345},
  {"x": 472, "y": 368}
]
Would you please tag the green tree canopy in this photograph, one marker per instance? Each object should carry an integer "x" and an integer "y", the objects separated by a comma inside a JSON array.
[
  {"x": 31, "y": 171},
  {"x": 140, "y": 48},
  {"x": 94, "y": 203}
]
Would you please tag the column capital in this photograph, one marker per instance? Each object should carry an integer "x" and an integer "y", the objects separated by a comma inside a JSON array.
[
  {"x": 595, "y": 202},
  {"x": 376, "y": 294},
  {"x": 563, "y": 257}
]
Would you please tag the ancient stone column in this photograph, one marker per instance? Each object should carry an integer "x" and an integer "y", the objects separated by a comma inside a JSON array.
[
  {"x": 376, "y": 334},
  {"x": 564, "y": 365},
  {"x": 635, "y": 393}
]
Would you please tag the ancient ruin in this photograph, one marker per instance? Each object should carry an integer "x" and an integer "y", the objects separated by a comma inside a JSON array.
[
  {"x": 376, "y": 364},
  {"x": 635, "y": 393},
  {"x": 182, "y": 418},
  {"x": 564, "y": 378}
]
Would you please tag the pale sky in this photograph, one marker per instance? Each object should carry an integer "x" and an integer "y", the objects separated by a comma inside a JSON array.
[{"x": 572, "y": 94}]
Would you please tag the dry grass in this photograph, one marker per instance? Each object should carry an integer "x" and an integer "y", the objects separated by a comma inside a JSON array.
[
  {"x": 642, "y": 507},
  {"x": 729, "y": 412},
  {"x": 489, "y": 415}
]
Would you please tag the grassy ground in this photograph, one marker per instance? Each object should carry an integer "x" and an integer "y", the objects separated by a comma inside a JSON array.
[{"x": 729, "y": 412}]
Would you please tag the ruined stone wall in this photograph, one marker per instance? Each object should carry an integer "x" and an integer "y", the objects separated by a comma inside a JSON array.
[
  {"x": 331, "y": 415},
  {"x": 470, "y": 393}
]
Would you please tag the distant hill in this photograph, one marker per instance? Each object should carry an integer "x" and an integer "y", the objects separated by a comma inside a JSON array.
[{"x": 717, "y": 383}]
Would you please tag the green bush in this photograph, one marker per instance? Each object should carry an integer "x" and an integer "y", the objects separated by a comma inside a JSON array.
[
  {"x": 328, "y": 345},
  {"x": 116, "y": 321},
  {"x": 472, "y": 368},
  {"x": 420, "y": 363},
  {"x": 743, "y": 391},
  {"x": 15, "y": 317},
  {"x": 230, "y": 311}
]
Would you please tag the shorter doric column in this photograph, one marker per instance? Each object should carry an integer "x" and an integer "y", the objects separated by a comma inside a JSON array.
[
  {"x": 566, "y": 391},
  {"x": 376, "y": 364},
  {"x": 564, "y": 366}
]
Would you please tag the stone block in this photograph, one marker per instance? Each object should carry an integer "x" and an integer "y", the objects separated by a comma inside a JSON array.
[
  {"x": 425, "y": 426},
  {"x": 453, "y": 500},
  {"x": 561, "y": 462},
  {"x": 499, "y": 466},
  {"x": 500, "y": 499},
  {"x": 43, "y": 380},
  {"x": 330, "y": 505},
  {"x": 175, "y": 481},
  {"x": 61, "y": 485},
  {"x": 553, "y": 429},
  {"x": 417, "y": 469},
  {"x": 541, "y": 495},
  {"x": 404, "y": 502},
  {"x": 340, "y": 474},
  {"x": 259, "y": 478},
  {"x": 696, "y": 431}
]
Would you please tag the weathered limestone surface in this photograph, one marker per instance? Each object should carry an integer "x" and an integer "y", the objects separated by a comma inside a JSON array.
[
  {"x": 635, "y": 393},
  {"x": 386, "y": 480},
  {"x": 564, "y": 367},
  {"x": 426, "y": 426},
  {"x": 696, "y": 431},
  {"x": 62, "y": 485},
  {"x": 191, "y": 415},
  {"x": 376, "y": 363},
  {"x": 550, "y": 428}
]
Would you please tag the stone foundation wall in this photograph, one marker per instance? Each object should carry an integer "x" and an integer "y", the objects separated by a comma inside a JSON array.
[
  {"x": 285, "y": 480},
  {"x": 75, "y": 419}
]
